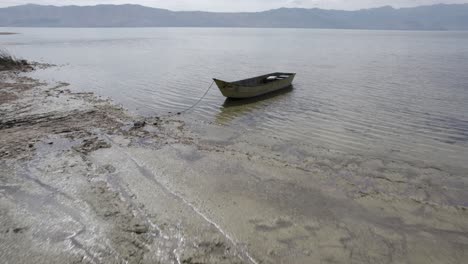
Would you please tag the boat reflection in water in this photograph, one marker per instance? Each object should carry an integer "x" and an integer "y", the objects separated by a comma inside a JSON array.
[{"x": 233, "y": 108}]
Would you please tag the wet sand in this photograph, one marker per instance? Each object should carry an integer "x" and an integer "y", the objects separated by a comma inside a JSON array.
[{"x": 84, "y": 181}]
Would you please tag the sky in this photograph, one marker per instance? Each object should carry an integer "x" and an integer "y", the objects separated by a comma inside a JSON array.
[{"x": 241, "y": 5}]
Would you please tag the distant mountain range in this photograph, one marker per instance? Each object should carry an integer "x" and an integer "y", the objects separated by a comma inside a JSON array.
[{"x": 435, "y": 17}]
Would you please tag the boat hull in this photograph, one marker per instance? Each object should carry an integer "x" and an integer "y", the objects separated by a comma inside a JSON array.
[{"x": 254, "y": 87}]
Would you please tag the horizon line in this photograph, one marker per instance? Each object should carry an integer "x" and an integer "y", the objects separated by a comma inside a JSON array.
[{"x": 266, "y": 10}]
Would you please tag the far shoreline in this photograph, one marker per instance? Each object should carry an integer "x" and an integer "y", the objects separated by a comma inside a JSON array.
[{"x": 8, "y": 33}]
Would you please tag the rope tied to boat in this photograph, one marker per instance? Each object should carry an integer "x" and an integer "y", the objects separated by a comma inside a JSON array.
[{"x": 195, "y": 104}]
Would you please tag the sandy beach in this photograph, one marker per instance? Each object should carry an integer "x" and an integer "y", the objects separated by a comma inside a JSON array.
[{"x": 85, "y": 181}]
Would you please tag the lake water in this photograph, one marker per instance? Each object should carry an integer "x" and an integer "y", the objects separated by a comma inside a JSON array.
[{"x": 395, "y": 94}]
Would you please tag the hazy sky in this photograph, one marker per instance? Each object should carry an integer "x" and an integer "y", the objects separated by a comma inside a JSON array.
[{"x": 242, "y": 5}]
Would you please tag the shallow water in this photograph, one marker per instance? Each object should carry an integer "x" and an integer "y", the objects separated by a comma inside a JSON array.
[{"x": 392, "y": 94}]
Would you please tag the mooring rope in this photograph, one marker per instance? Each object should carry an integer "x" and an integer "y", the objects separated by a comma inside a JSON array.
[{"x": 193, "y": 106}]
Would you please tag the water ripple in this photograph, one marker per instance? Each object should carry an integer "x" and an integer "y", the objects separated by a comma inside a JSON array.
[{"x": 360, "y": 91}]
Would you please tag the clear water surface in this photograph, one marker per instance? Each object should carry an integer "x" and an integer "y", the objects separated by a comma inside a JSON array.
[{"x": 389, "y": 93}]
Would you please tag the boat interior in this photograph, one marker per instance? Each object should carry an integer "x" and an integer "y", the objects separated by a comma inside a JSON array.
[{"x": 267, "y": 78}]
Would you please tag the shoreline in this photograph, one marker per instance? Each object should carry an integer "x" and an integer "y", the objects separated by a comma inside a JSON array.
[
  {"x": 102, "y": 185},
  {"x": 48, "y": 133}
]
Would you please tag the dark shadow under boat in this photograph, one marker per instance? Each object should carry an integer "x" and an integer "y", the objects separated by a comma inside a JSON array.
[{"x": 234, "y": 108}]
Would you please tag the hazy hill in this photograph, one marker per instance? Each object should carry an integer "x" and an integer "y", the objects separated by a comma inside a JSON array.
[{"x": 435, "y": 17}]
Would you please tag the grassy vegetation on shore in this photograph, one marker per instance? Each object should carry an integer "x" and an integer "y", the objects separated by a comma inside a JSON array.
[{"x": 10, "y": 62}]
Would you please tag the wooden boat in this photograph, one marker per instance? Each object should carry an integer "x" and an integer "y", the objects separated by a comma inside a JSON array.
[{"x": 255, "y": 86}]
